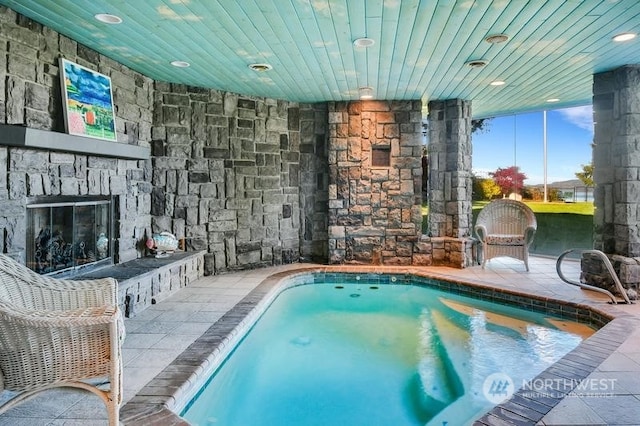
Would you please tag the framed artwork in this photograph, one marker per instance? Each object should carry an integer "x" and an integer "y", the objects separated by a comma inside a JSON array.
[{"x": 88, "y": 102}]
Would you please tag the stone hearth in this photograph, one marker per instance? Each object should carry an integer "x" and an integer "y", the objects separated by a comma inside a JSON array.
[{"x": 148, "y": 280}]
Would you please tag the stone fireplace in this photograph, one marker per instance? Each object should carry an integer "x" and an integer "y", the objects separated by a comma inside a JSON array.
[
  {"x": 69, "y": 234},
  {"x": 62, "y": 192}
]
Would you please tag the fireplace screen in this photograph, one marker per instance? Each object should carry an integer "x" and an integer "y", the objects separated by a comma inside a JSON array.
[{"x": 68, "y": 235}]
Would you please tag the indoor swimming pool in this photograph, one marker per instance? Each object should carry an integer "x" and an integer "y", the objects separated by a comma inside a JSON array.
[{"x": 366, "y": 352}]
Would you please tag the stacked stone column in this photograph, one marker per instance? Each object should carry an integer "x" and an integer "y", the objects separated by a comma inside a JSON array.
[
  {"x": 448, "y": 240},
  {"x": 616, "y": 161},
  {"x": 450, "y": 168},
  {"x": 314, "y": 182}
]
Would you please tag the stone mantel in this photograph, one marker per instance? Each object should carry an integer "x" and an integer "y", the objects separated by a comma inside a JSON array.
[{"x": 21, "y": 136}]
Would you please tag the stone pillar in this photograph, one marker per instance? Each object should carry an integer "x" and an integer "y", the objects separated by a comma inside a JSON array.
[
  {"x": 314, "y": 182},
  {"x": 616, "y": 161},
  {"x": 450, "y": 168},
  {"x": 616, "y": 174}
]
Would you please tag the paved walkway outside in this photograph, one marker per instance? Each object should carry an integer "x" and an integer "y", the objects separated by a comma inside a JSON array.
[{"x": 160, "y": 333}]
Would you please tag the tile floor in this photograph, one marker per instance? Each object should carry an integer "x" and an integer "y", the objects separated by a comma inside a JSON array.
[{"x": 156, "y": 336}]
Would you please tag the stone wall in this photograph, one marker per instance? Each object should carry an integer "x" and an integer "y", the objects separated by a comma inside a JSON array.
[
  {"x": 374, "y": 211},
  {"x": 30, "y": 95},
  {"x": 226, "y": 173}
]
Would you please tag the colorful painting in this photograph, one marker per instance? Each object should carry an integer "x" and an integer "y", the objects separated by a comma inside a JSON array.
[{"x": 88, "y": 102}]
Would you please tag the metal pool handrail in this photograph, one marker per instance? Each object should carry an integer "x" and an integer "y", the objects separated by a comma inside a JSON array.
[{"x": 610, "y": 269}]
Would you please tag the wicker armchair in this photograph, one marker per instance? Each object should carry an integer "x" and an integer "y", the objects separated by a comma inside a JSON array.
[
  {"x": 506, "y": 228},
  {"x": 59, "y": 333}
]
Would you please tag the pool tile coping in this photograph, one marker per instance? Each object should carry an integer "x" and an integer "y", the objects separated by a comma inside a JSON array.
[{"x": 159, "y": 401}]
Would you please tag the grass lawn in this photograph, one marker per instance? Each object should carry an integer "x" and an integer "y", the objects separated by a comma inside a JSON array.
[
  {"x": 557, "y": 207},
  {"x": 575, "y": 208}
]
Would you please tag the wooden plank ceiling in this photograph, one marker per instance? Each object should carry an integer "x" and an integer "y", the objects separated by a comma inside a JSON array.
[{"x": 420, "y": 52}]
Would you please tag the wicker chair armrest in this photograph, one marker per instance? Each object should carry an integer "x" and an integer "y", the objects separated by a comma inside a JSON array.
[
  {"x": 65, "y": 295},
  {"x": 67, "y": 318},
  {"x": 529, "y": 234},
  {"x": 72, "y": 294},
  {"x": 481, "y": 231}
]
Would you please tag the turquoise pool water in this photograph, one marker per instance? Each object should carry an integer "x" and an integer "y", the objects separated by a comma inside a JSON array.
[{"x": 367, "y": 354}]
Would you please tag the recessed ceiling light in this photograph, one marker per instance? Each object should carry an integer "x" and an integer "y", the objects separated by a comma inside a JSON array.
[
  {"x": 477, "y": 63},
  {"x": 553, "y": 100},
  {"x": 364, "y": 42},
  {"x": 365, "y": 93},
  {"x": 260, "y": 67},
  {"x": 624, "y": 37},
  {"x": 108, "y": 19},
  {"x": 497, "y": 38},
  {"x": 180, "y": 64},
  {"x": 497, "y": 83}
]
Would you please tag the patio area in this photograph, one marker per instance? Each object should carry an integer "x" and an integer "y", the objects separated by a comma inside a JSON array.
[{"x": 163, "y": 331}]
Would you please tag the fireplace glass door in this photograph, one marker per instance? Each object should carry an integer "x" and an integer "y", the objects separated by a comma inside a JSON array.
[{"x": 67, "y": 236}]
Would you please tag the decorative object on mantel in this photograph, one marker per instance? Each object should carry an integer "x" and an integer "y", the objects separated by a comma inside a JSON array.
[
  {"x": 88, "y": 102},
  {"x": 162, "y": 244}
]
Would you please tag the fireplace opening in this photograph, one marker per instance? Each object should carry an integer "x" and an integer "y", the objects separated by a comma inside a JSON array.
[{"x": 66, "y": 235}]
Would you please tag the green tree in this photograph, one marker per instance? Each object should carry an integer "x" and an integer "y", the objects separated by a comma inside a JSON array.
[
  {"x": 586, "y": 175},
  {"x": 485, "y": 189},
  {"x": 480, "y": 125}
]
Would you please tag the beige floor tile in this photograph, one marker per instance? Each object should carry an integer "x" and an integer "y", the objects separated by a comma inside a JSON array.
[{"x": 572, "y": 411}]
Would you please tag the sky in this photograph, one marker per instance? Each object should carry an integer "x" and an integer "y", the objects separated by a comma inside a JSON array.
[{"x": 519, "y": 140}]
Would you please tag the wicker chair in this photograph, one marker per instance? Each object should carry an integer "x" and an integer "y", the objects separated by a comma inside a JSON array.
[
  {"x": 59, "y": 333},
  {"x": 506, "y": 228}
]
